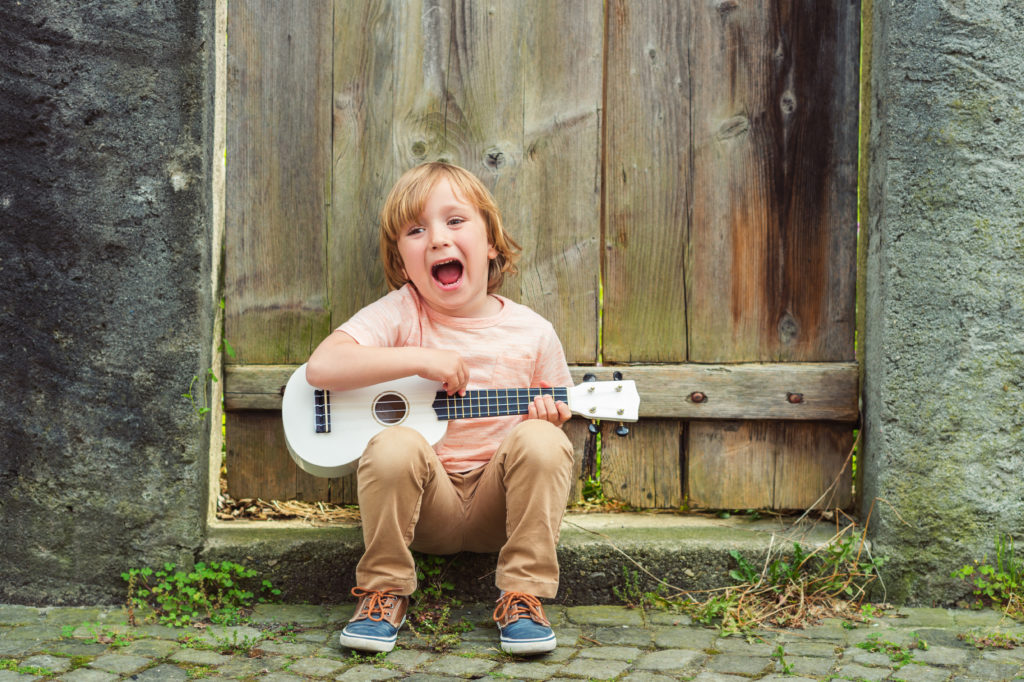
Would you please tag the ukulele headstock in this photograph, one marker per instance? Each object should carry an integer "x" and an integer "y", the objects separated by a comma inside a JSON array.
[{"x": 617, "y": 400}]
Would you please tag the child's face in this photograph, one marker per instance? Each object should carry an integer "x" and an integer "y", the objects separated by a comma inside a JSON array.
[{"x": 446, "y": 254}]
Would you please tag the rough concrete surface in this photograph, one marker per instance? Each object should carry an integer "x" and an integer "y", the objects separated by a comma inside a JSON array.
[
  {"x": 104, "y": 268},
  {"x": 944, "y": 389}
]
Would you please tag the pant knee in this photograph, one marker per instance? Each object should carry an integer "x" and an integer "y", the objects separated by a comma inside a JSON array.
[
  {"x": 395, "y": 451},
  {"x": 542, "y": 444}
]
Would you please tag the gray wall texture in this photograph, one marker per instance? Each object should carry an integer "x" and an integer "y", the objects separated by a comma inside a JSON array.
[
  {"x": 104, "y": 269},
  {"x": 944, "y": 390}
]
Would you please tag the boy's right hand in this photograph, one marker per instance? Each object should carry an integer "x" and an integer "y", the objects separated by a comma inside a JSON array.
[{"x": 445, "y": 366}]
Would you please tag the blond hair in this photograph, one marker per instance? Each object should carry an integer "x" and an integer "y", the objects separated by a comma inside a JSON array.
[{"x": 405, "y": 203}]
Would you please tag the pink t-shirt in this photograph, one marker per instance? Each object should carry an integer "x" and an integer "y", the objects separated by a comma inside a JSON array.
[{"x": 517, "y": 348}]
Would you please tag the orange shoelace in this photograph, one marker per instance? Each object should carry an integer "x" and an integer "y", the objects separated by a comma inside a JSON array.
[
  {"x": 514, "y": 605},
  {"x": 378, "y": 605}
]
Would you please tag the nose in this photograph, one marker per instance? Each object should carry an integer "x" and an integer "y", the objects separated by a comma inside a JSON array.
[{"x": 440, "y": 237}]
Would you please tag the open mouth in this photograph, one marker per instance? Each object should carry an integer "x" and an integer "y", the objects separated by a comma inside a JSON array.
[{"x": 447, "y": 273}]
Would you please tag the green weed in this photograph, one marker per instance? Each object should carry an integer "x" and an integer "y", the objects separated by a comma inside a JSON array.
[
  {"x": 218, "y": 592},
  {"x": 991, "y": 640},
  {"x": 780, "y": 655},
  {"x": 14, "y": 666},
  {"x": 432, "y": 602},
  {"x": 899, "y": 655},
  {"x": 1001, "y": 585}
]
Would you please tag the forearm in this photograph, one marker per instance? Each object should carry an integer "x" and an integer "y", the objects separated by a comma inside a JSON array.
[{"x": 341, "y": 364}]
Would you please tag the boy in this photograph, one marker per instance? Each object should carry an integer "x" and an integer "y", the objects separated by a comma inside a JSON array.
[{"x": 497, "y": 484}]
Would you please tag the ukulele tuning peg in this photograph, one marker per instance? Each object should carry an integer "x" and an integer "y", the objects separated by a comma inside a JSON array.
[
  {"x": 621, "y": 430},
  {"x": 589, "y": 377},
  {"x": 592, "y": 427},
  {"x": 617, "y": 375}
]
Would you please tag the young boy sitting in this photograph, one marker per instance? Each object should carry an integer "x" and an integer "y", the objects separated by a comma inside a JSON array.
[{"x": 495, "y": 484}]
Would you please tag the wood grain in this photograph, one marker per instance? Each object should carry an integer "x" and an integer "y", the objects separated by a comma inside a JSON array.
[
  {"x": 747, "y": 391},
  {"x": 644, "y": 468},
  {"x": 278, "y": 178},
  {"x": 646, "y": 180}
]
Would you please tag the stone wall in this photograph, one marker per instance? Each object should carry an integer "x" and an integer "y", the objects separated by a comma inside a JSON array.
[
  {"x": 105, "y": 269},
  {"x": 943, "y": 456}
]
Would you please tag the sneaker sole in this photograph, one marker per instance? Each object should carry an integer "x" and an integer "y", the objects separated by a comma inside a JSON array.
[
  {"x": 529, "y": 646},
  {"x": 366, "y": 643}
]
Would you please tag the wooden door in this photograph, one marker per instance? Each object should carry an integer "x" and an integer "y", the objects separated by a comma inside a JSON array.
[{"x": 681, "y": 175}]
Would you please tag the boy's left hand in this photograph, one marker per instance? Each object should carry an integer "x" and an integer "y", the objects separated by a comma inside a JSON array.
[{"x": 545, "y": 407}]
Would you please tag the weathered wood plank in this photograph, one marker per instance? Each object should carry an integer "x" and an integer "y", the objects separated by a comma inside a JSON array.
[
  {"x": 770, "y": 269},
  {"x": 278, "y": 175},
  {"x": 644, "y": 468},
  {"x": 646, "y": 180},
  {"x": 556, "y": 216},
  {"x": 364, "y": 161},
  {"x": 771, "y": 266},
  {"x": 749, "y": 391},
  {"x": 258, "y": 463},
  {"x": 767, "y": 465}
]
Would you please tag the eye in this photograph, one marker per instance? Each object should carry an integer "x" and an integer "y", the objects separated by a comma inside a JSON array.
[
  {"x": 415, "y": 229},
  {"x": 455, "y": 221}
]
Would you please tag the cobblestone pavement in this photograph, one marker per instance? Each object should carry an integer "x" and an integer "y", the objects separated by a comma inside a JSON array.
[{"x": 286, "y": 643}]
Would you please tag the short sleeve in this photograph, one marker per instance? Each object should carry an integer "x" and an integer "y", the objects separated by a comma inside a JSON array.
[
  {"x": 388, "y": 321},
  {"x": 551, "y": 367}
]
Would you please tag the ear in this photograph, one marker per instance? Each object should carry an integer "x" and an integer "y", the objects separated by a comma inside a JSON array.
[{"x": 492, "y": 253}]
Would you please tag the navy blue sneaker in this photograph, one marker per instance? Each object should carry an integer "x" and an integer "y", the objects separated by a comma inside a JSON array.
[
  {"x": 375, "y": 625},
  {"x": 523, "y": 627}
]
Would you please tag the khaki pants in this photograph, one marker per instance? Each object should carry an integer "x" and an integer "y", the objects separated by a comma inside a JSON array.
[{"x": 514, "y": 505}]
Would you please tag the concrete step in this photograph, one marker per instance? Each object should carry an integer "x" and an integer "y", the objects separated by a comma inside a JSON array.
[{"x": 692, "y": 552}]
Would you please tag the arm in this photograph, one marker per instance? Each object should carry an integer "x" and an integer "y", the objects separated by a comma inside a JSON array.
[{"x": 339, "y": 363}]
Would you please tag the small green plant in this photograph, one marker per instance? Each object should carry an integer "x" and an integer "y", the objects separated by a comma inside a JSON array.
[
  {"x": 899, "y": 655},
  {"x": 217, "y": 592},
  {"x": 780, "y": 655},
  {"x": 635, "y": 597},
  {"x": 13, "y": 665},
  {"x": 1001, "y": 585},
  {"x": 430, "y": 613},
  {"x": 199, "y": 672},
  {"x": 991, "y": 640}
]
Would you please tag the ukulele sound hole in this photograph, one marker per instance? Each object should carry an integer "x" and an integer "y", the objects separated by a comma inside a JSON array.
[{"x": 390, "y": 408}]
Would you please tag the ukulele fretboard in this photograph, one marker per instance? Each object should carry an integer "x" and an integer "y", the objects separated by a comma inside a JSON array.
[{"x": 492, "y": 402}]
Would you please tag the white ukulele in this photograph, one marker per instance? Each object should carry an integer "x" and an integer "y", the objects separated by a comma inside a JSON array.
[{"x": 327, "y": 431}]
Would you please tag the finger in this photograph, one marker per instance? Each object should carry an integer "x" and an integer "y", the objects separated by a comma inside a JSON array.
[{"x": 564, "y": 413}]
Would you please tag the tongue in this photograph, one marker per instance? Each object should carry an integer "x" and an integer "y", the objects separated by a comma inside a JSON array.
[{"x": 448, "y": 272}]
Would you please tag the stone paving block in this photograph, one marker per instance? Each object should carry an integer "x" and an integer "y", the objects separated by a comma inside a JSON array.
[
  {"x": 739, "y": 645},
  {"x": 75, "y": 615},
  {"x": 808, "y": 665},
  {"x": 18, "y": 647},
  {"x": 645, "y": 676},
  {"x": 922, "y": 673},
  {"x": 670, "y": 659},
  {"x": 199, "y": 657},
  {"x": 159, "y": 631},
  {"x": 153, "y": 648},
  {"x": 614, "y": 653},
  {"x": 315, "y": 667},
  {"x": 408, "y": 658},
  {"x": 87, "y": 675},
  {"x": 869, "y": 658},
  {"x": 281, "y": 677},
  {"x": 73, "y": 647},
  {"x": 121, "y": 665},
  {"x": 1015, "y": 654},
  {"x": 567, "y": 635},
  {"x": 604, "y": 615},
  {"x": 316, "y": 636},
  {"x": 288, "y": 648},
  {"x": 250, "y": 667},
  {"x": 992, "y": 670},
  {"x": 593, "y": 668},
  {"x": 738, "y": 664},
  {"x": 786, "y": 678},
  {"x": 293, "y": 613},
  {"x": 665, "y": 618},
  {"x": 855, "y": 671},
  {"x": 57, "y": 664},
  {"x": 626, "y": 634},
  {"x": 941, "y": 655},
  {"x": 18, "y": 615},
  {"x": 162, "y": 673},
  {"x": 367, "y": 673},
  {"x": 459, "y": 666},
  {"x": 34, "y": 633},
  {"x": 808, "y": 648},
  {"x": 559, "y": 655},
  {"x": 979, "y": 618},
  {"x": 11, "y": 676},
  {"x": 917, "y": 617},
  {"x": 684, "y": 638},
  {"x": 528, "y": 670},
  {"x": 708, "y": 676},
  {"x": 236, "y": 636}
]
